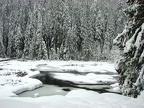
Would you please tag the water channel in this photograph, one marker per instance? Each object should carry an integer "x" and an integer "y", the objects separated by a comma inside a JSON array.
[{"x": 52, "y": 86}]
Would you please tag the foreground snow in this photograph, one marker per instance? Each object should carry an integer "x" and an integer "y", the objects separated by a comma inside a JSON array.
[
  {"x": 74, "y": 99},
  {"x": 11, "y": 84}
]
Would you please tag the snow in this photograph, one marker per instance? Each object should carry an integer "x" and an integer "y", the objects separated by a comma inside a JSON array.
[
  {"x": 95, "y": 71},
  {"x": 74, "y": 99},
  {"x": 115, "y": 87},
  {"x": 89, "y": 68},
  {"x": 18, "y": 84},
  {"x": 139, "y": 38},
  {"x": 140, "y": 79},
  {"x": 36, "y": 95},
  {"x": 11, "y": 84},
  {"x": 46, "y": 90},
  {"x": 1, "y": 58},
  {"x": 118, "y": 38},
  {"x": 89, "y": 78},
  {"x": 141, "y": 57},
  {"x": 79, "y": 66},
  {"x": 46, "y": 65},
  {"x": 130, "y": 42},
  {"x": 24, "y": 85}
]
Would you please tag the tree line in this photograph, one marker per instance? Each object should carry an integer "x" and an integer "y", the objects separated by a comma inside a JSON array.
[{"x": 60, "y": 29}]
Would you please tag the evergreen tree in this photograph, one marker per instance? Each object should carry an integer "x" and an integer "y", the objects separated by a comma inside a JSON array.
[
  {"x": 28, "y": 42},
  {"x": 19, "y": 43},
  {"x": 42, "y": 52},
  {"x": 131, "y": 42},
  {"x": 64, "y": 29}
]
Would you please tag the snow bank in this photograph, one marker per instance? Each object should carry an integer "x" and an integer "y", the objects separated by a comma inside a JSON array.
[
  {"x": 115, "y": 88},
  {"x": 89, "y": 78},
  {"x": 74, "y": 99},
  {"x": 79, "y": 66},
  {"x": 24, "y": 85},
  {"x": 44, "y": 65}
]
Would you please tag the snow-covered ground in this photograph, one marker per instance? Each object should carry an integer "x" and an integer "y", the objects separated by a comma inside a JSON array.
[
  {"x": 80, "y": 72},
  {"x": 15, "y": 78},
  {"x": 87, "y": 79},
  {"x": 79, "y": 66},
  {"x": 74, "y": 99},
  {"x": 15, "y": 74}
]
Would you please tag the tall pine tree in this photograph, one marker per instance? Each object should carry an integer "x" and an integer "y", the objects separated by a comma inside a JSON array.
[{"x": 131, "y": 42}]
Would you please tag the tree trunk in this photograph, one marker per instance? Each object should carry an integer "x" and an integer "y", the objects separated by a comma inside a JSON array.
[{"x": 2, "y": 51}]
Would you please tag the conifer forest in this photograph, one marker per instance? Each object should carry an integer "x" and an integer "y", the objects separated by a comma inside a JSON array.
[{"x": 60, "y": 29}]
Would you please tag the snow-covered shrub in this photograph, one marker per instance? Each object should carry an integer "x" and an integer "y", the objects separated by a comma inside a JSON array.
[{"x": 21, "y": 74}]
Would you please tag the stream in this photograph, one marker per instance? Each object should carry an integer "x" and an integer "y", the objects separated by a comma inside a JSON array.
[
  {"x": 45, "y": 90},
  {"x": 53, "y": 86}
]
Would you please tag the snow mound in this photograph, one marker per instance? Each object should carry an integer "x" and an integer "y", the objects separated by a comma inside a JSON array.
[{"x": 25, "y": 85}]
